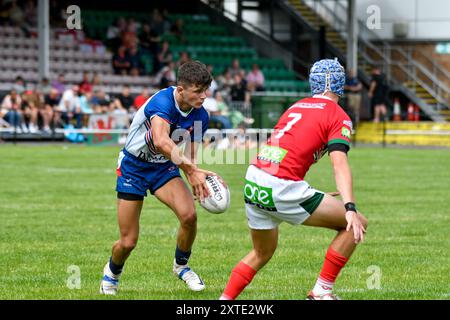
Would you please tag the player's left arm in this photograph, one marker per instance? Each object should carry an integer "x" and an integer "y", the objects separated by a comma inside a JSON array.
[
  {"x": 342, "y": 175},
  {"x": 339, "y": 135},
  {"x": 344, "y": 184}
]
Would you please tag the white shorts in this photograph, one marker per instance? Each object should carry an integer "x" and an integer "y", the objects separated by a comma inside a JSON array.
[{"x": 270, "y": 200}]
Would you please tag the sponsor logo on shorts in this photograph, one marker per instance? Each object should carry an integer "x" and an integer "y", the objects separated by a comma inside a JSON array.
[
  {"x": 258, "y": 195},
  {"x": 272, "y": 154}
]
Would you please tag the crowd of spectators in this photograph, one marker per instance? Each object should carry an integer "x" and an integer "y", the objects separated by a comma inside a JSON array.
[
  {"x": 20, "y": 14},
  {"x": 58, "y": 104},
  {"x": 54, "y": 103},
  {"x": 131, "y": 41}
]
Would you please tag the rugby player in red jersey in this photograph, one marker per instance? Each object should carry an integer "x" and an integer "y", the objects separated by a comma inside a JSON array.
[{"x": 275, "y": 189}]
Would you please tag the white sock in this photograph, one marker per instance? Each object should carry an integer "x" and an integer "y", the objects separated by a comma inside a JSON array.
[
  {"x": 109, "y": 273},
  {"x": 322, "y": 287},
  {"x": 179, "y": 267}
]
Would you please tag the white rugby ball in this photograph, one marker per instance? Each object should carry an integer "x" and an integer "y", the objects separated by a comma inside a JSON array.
[{"x": 219, "y": 196}]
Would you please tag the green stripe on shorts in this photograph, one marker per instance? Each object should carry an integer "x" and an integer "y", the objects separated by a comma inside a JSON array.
[{"x": 312, "y": 203}]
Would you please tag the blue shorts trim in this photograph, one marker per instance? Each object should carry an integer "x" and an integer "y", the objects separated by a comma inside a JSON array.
[{"x": 136, "y": 176}]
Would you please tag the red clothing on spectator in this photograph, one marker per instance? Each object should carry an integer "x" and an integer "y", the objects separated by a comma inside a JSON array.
[
  {"x": 85, "y": 87},
  {"x": 139, "y": 101}
]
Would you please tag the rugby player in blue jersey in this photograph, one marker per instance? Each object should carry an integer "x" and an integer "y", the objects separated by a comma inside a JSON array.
[{"x": 151, "y": 159}]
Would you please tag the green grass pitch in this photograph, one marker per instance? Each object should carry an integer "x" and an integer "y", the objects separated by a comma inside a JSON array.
[{"x": 58, "y": 212}]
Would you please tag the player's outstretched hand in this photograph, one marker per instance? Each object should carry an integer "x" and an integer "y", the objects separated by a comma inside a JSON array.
[
  {"x": 198, "y": 183},
  {"x": 210, "y": 173},
  {"x": 354, "y": 222}
]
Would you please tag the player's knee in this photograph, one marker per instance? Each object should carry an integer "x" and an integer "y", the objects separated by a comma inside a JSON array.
[
  {"x": 128, "y": 244},
  {"x": 188, "y": 217},
  {"x": 265, "y": 254}
]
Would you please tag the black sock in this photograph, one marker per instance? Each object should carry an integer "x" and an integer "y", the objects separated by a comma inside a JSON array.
[
  {"x": 116, "y": 269},
  {"x": 182, "y": 257}
]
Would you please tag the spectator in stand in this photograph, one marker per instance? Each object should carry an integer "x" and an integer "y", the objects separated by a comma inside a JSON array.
[
  {"x": 69, "y": 102},
  {"x": 225, "y": 81},
  {"x": 121, "y": 61},
  {"x": 51, "y": 102},
  {"x": 255, "y": 79},
  {"x": 114, "y": 32},
  {"x": 85, "y": 84},
  {"x": 19, "y": 85},
  {"x": 160, "y": 25},
  {"x": 60, "y": 84},
  {"x": 78, "y": 110},
  {"x": 101, "y": 102},
  {"x": 217, "y": 119},
  {"x": 184, "y": 57},
  {"x": 11, "y": 109},
  {"x": 166, "y": 20},
  {"x": 44, "y": 86},
  {"x": 235, "y": 67},
  {"x": 163, "y": 57},
  {"x": 378, "y": 92},
  {"x": 125, "y": 100},
  {"x": 134, "y": 56},
  {"x": 177, "y": 30},
  {"x": 236, "y": 117},
  {"x": 85, "y": 110},
  {"x": 129, "y": 37},
  {"x": 238, "y": 90},
  {"x": 216, "y": 116},
  {"x": 149, "y": 40},
  {"x": 45, "y": 114},
  {"x": 353, "y": 92},
  {"x": 121, "y": 115},
  {"x": 96, "y": 81},
  {"x": 166, "y": 77},
  {"x": 17, "y": 17},
  {"x": 133, "y": 26},
  {"x": 31, "y": 106},
  {"x": 141, "y": 98}
]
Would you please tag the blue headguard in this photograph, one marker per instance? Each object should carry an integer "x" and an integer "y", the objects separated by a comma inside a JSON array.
[{"x": 327, "y": 75}]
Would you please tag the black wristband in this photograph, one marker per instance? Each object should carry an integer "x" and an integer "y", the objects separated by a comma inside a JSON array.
[{"x": 350, "y": 206}]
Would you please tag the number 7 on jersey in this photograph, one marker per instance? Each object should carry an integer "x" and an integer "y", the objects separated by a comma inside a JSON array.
[{"x": 296, "y": 116}]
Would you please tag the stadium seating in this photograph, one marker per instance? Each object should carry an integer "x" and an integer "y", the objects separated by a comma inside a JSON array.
[
  {"x": 206, "y": 42},
  {"x": 212, "y": 44}
]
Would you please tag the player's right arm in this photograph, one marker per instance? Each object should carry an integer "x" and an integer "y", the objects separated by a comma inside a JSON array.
[{"x": 165, "y": 145}]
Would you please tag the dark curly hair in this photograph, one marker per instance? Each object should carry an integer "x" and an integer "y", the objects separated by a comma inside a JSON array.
[{"x": 194, "y": 73}]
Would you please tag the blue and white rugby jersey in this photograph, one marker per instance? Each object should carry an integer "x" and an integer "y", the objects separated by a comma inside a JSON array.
[{"x": 183, "y": 125}]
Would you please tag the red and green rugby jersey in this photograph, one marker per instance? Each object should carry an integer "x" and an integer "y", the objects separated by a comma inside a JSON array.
[{"x": 302, "y": 136}]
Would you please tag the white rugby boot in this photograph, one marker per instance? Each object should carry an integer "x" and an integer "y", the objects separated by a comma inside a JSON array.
[
  {"x": 193, "y": 281},
  {"x": 110, "y": 281}
]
